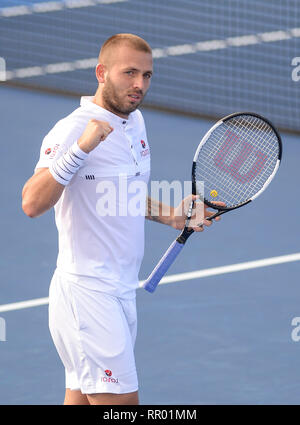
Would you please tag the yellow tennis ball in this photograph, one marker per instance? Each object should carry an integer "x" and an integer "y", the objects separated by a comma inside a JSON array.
[{"x": 213, "y": 193}]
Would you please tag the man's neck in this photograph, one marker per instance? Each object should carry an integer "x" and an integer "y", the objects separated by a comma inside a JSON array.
[{"x": 98, "y": 98}]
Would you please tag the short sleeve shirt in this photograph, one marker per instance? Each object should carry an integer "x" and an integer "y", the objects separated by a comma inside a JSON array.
[{"x": 101, "y": 213}]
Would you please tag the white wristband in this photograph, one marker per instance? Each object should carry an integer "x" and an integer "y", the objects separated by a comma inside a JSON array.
[{"x": 64, "y": 168}]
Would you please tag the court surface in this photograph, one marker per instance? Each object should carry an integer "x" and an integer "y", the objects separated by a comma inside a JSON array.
[{"x": 224, "y": 338}]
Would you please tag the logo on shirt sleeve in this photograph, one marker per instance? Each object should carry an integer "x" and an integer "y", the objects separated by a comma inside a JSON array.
[
  {"x": 143, "y": 143},
  {"x": 52, "y": 151}
]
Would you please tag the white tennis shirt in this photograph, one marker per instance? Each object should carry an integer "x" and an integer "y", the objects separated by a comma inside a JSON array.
[{"x": 101, "y": 213}]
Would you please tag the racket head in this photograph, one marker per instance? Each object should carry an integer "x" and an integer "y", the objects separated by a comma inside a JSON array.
[{"x": 236, "y": 160}]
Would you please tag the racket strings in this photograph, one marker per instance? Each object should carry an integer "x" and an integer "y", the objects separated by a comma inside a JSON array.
[
  {"x": 265, "y": 139},
  {"x": 233, "y": 192},
  {"x": 226, "y": 180},
  {"x": 241, "y": 145}
]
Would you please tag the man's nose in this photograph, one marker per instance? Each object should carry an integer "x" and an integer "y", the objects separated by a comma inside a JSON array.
[{"x": 139, "y": 83}]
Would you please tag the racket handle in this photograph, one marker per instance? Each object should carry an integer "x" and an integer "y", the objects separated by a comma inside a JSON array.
[{"x": 162, "y": 267}]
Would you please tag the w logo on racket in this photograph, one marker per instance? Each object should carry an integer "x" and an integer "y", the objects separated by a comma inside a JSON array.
[{"x": 237, "y": 161}]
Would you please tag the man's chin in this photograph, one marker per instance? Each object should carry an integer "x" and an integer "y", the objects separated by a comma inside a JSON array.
[
  {"x": 125, "y": 109},
  {"x": 135, "y": 105},
  {"x": 131, "y": 108}
]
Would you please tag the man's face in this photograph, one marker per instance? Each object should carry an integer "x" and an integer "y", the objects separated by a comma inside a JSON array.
[{"x": 127, "y": 79}]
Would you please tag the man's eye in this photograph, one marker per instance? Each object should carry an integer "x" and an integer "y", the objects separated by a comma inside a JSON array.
[
  {"x": 129, "y": 72},
  {"x": 148, "y": 76}
]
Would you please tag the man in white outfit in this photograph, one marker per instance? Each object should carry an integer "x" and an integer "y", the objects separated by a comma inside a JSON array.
[{"x": 101, "y": 145}]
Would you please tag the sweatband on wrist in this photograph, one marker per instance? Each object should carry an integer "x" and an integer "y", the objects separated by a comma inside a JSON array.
[{"x": 64, "y": 168}]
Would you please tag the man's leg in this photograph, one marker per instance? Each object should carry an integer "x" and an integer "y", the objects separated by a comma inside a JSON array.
[
  {"x": 110, "y": 398},
  {"x": 75, "y": 397}
]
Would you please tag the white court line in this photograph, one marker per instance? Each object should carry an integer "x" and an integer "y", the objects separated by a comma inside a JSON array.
[
  {"x": 51, "y": 6},
  {"x": 24, "y": 304},
  {"x": 231, "y": 268},
  {"x": 180, "y": 277},
  {"x": 158, "y": 53}
]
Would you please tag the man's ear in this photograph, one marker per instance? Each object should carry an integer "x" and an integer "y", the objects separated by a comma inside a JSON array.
[{"x": 100, "y": 72}]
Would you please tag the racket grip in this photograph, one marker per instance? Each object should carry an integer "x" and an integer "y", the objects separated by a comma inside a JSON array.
[{"x": 162, "y": 267}]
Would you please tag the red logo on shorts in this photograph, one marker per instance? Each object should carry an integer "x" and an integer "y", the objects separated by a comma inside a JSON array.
[
  {"x": 143, "y": 144},
  {"x": 47, "y": 151},
  {"x": 109, "y": 379}
]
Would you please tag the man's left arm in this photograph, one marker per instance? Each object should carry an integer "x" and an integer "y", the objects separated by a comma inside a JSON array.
[{"x": 176, "y": 217}]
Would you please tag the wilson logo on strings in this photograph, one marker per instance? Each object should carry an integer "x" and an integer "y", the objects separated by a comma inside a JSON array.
[{"x": 236, "y": 163}]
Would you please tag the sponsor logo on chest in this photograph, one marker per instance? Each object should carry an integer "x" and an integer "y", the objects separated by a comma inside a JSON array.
[{"x": 145, "y": 151}]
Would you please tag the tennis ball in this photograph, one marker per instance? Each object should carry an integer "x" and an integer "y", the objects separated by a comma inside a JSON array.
[{"x": 213, "y": 193}]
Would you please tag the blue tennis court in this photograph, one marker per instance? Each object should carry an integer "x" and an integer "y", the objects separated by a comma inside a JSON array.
[{"x": 218, "y": 336}]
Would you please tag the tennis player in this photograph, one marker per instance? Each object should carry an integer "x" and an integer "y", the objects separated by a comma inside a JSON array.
[{"x": 92, "y": 306}]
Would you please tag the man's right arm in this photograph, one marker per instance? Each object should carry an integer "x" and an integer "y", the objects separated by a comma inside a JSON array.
[{"x": 41, "y": 192}]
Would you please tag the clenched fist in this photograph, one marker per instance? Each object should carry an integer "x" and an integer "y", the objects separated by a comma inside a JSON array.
[{"x": 94, "y": 133}]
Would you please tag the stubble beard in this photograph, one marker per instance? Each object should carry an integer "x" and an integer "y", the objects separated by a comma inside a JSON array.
[{"x": 114, "y": 103}]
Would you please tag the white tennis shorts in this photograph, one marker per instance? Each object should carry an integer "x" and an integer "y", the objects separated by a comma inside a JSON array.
[{"x": 94, "y": 334}]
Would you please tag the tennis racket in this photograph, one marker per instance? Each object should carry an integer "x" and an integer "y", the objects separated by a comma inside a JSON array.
[{"x": 235, "y": 161}]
